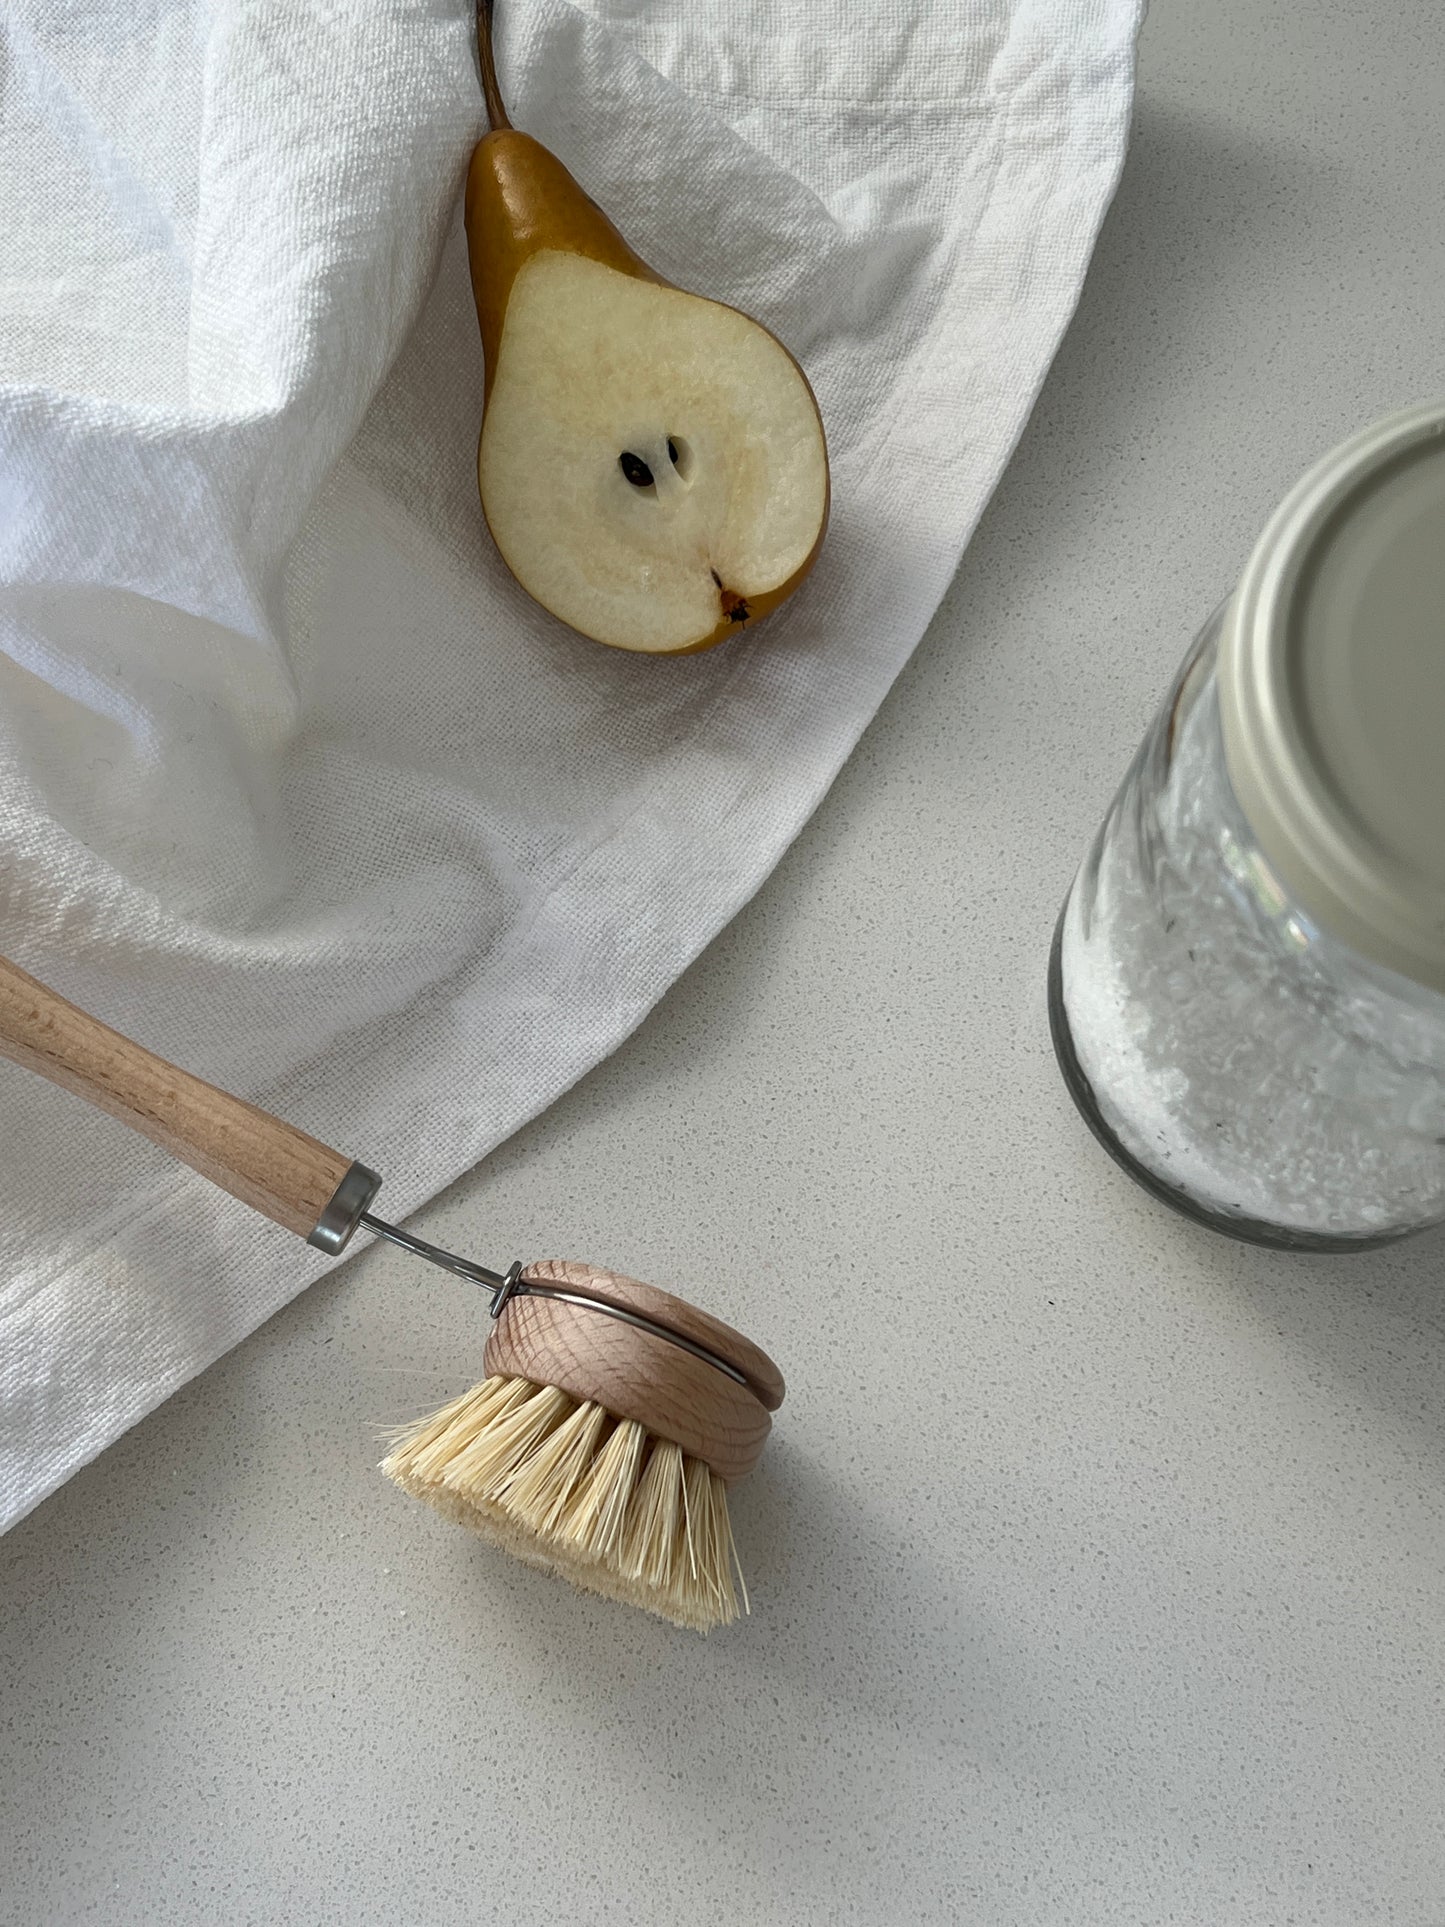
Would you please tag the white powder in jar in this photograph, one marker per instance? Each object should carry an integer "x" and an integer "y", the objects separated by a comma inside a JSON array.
[{"x": 1233, "y": 1049}]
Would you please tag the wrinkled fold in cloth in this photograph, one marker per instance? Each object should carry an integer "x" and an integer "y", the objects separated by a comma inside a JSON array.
[{"x": 296, "y": 785}]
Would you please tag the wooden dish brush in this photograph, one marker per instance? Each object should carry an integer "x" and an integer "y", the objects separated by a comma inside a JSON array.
[{"x": 613, "y": 1416}]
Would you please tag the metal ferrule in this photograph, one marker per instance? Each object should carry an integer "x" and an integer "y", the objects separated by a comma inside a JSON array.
[{"x": 345, "y": 1211}]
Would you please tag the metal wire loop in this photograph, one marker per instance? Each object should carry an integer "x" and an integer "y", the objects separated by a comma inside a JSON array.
[{"x": 505, "y": 1286}]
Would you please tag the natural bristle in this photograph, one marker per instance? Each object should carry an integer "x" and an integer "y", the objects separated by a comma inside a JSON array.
[
  {"x": 592, "y": 1528},
  {"x": 565, "y": 1486},
  {"x": 652, "y": 1536}
]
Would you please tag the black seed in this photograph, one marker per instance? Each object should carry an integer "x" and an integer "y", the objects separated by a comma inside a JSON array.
[
  {"x": 672, "y": 451},
  {"x": 716, "y": 577},
  {"x": 635, "y": 469}
]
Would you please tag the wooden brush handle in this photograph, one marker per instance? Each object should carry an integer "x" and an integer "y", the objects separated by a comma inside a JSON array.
[{"x": 279, "y": 1171}]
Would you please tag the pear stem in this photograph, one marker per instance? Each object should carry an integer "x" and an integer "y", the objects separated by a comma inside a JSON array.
[{"x": 491, "y": 92}]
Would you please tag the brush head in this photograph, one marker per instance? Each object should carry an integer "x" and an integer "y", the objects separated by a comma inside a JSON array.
[{"x": 600, "y": 1452}]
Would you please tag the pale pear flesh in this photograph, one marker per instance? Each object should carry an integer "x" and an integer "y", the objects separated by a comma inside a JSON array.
[{"x": 601, "y": 376}]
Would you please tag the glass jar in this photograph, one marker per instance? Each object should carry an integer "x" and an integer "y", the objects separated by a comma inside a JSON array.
[{"x": 1247, "y": 988}]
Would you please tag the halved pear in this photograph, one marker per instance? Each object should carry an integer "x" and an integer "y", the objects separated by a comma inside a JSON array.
[{"x": 653, "y": 466}]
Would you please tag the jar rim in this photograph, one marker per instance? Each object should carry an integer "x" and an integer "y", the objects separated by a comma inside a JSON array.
[{"x": 1332, "y": 692}]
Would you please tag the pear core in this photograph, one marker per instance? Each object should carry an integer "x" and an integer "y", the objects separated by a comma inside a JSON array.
[{"x": 723, "y": 501}]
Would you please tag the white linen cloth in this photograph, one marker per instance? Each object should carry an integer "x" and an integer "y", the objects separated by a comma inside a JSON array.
[{"x": 296, "y": 786}]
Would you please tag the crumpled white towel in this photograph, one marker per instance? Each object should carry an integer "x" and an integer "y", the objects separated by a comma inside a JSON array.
[{"x": 296, "y": 786}]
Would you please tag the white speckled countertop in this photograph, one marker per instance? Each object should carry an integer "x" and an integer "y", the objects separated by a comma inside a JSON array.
[{"x": 1097, "y": 1562}]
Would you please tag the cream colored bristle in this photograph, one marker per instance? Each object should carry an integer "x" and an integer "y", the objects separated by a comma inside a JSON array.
[
  {"x": 651, "y": 1534},
  {"x": 425, "y": 1449},
  {"x": 568, "y": 1488},
  {"x": 711, "y": 1553},
  {"x": 722, "y": 1552},
  {"x": 694, "y": 1501},
  {"x": 479, "y": 1472},
  {"x": 540, "y": 1491},
  {"x": 593, "y": 1523},
  {"x": 699, "y": 1533}
]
